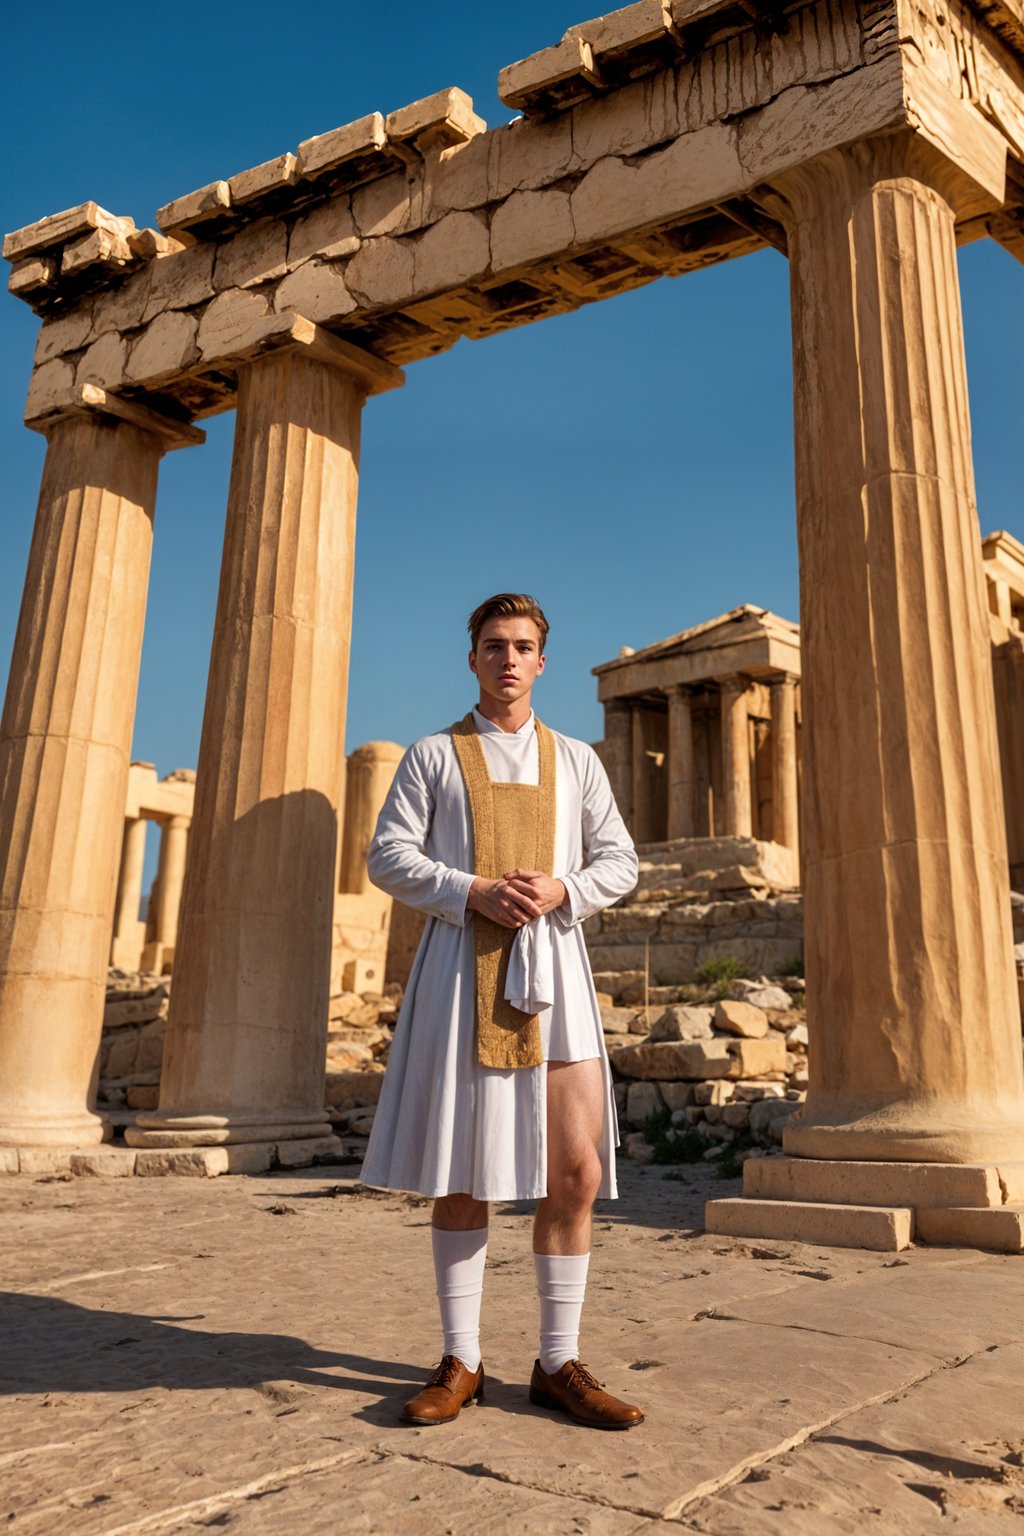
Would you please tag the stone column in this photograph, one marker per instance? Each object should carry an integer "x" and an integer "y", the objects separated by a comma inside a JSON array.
[
  {"x": 785, "y": 809},
  {"x": 129, "y": 894},
  {"x": 916, "y": 1049},
  {"x": 245, "y": 1046},
  {"x": 618, "y": 754},
  {"x": 65, "y": 739},
  {"x": 735, "y": 759},
  {"x": 368, "y": 776},
  {"x": 681, "y": 767},
  {"x": 170, "y": 878}
]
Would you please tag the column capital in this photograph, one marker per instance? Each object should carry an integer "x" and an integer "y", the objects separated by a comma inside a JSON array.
[
  {"x": 91, "y": 400},
  {"x": 783, "y": 680},
  {"x": 676, "y": 690},
  {"x": 968, "y": 172},
  {"x": 733, "y": 682},
  {"x": 294, "y": 333}
]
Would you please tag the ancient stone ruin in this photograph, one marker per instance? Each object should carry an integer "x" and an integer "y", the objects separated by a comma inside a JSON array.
[{"x": 863, "y": 139}]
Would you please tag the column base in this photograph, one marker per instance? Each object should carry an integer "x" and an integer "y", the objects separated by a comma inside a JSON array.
[
  {"x": 876, "y": 1205},
  {"x": 906, "y": 1132},
  {"x": 82, "y": 1129},
  {"x": 157, "y": 1128}
]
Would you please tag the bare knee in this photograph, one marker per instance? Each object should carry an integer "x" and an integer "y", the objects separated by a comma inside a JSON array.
[
  {"x": 575, "y": 1184},
  {"x": 459, "y": 1213}
]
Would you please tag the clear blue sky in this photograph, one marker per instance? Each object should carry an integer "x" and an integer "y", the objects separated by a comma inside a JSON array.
[{"x": 630, "y": 464}]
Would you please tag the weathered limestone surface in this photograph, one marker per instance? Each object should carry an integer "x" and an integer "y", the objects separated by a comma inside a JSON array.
[
  {"x": 866, "y": 1385},
  {"x": 246, "y": 1035},
  {"x": 917, "y": 1054},
  {"x": 64, "y": 746},
  {"x": 434, "y": 228}
]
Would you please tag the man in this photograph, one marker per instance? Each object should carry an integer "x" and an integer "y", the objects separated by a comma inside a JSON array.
[{"x": 498, "y": 1087}]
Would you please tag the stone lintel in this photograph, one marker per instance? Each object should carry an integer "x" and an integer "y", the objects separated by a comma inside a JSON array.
[
  {"x": 884, "y": 1229},
  {"x": 91, "y": 397},
  {"x": 975, "y": 150},
  {"x": 818, "y": 1180},
  {"x": 203, "y": 206},
  {"x": 437, "y": 122},
  {"x": 57, "y": 228},
  {"x": 290, "y": 330}
]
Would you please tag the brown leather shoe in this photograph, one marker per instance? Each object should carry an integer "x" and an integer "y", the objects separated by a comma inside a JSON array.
[
  {"x": 573, "y": 1390},
  {"x": 450, "y": 1387}
]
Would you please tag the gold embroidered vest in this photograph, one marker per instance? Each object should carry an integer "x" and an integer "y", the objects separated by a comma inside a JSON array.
[{"x": 513, "y": 828}]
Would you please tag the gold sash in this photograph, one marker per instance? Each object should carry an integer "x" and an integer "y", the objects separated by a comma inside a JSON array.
[{"x": 513, "y": 828}]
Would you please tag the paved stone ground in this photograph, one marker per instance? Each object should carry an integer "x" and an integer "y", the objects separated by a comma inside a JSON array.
[{"x": 179, "y": 1356}]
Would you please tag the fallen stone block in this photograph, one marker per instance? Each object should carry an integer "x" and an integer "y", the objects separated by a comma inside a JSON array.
[
  {"x": 643, "y": 1100},
  {"x": 682, "y": 1060},
  {"x": 768, "y": 1117},
  {"x": 743, "y": 1019},
  {"x": 682, "y": 1022},
  {"x": 756, "y": 1058}
]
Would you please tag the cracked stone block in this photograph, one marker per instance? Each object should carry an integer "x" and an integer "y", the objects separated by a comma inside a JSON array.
[
  {"x": 59, "y": 228},
  {"x": 199, "y": 207}
]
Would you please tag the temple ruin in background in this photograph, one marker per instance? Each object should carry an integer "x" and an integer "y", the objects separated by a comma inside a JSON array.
[{"x": 864, "y": 138}]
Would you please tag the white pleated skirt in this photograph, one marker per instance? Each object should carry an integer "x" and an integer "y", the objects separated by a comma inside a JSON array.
[{"x": 447, "y": 1125}]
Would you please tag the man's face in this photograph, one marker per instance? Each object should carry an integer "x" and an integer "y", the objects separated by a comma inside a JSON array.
[{"x": 507, "y": 659}]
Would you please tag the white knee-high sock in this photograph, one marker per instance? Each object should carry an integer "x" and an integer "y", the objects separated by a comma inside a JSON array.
[
  {"x": 561, "y": 1286},
  {"x": 459, "y": 1259}
]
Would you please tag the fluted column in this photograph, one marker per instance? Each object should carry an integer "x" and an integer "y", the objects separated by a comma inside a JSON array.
[
  {"x": 125, "y": 948},
  {"x": 738, "y": 816},
  {"x": 618, "y": 754},
  {"x": 368, "y": 776},
  {"x": 681, "y": 767},
  {"x": 916, "y": 1050},
  {"x": 245, "y": 1046},
  {"x": 170, "y": 878},
  {"x": 785, "y": 808},
  {"x": 65, "y": 739}
]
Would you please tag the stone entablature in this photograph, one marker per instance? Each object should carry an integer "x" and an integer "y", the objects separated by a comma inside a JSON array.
[
  {"x": 648, "y": 142},
  {"x": 702, "y": 730}
]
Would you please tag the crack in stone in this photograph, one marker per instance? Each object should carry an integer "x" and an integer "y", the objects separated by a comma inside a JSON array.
[
  {"x": 713, "y": 1315},
  {"x": 481, "y": 1469},
  {"x": 714, "y": 1486},
  {"x": 214, "y": 1503}
]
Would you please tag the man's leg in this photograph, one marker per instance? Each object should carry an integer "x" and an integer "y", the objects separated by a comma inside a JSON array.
[
  {"x": 561, "y": 1246},
  {"x": 561, "y": 1228},
  {"x": 459, "y": 1232},
  {"x": 460, "y": 1253}
]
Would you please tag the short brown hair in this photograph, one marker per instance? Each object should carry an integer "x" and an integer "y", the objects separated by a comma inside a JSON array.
[{"x": 508, "y": 605}]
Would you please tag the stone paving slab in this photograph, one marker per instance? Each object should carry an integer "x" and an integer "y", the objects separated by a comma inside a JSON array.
[{"x": 232, "y": 1355}]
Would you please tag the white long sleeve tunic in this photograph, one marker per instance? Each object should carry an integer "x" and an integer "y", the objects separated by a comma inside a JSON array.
[{"x": 445, "y": 1124}]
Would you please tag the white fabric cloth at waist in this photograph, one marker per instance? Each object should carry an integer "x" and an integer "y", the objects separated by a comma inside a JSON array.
[{"x": 530, "y": 980}]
